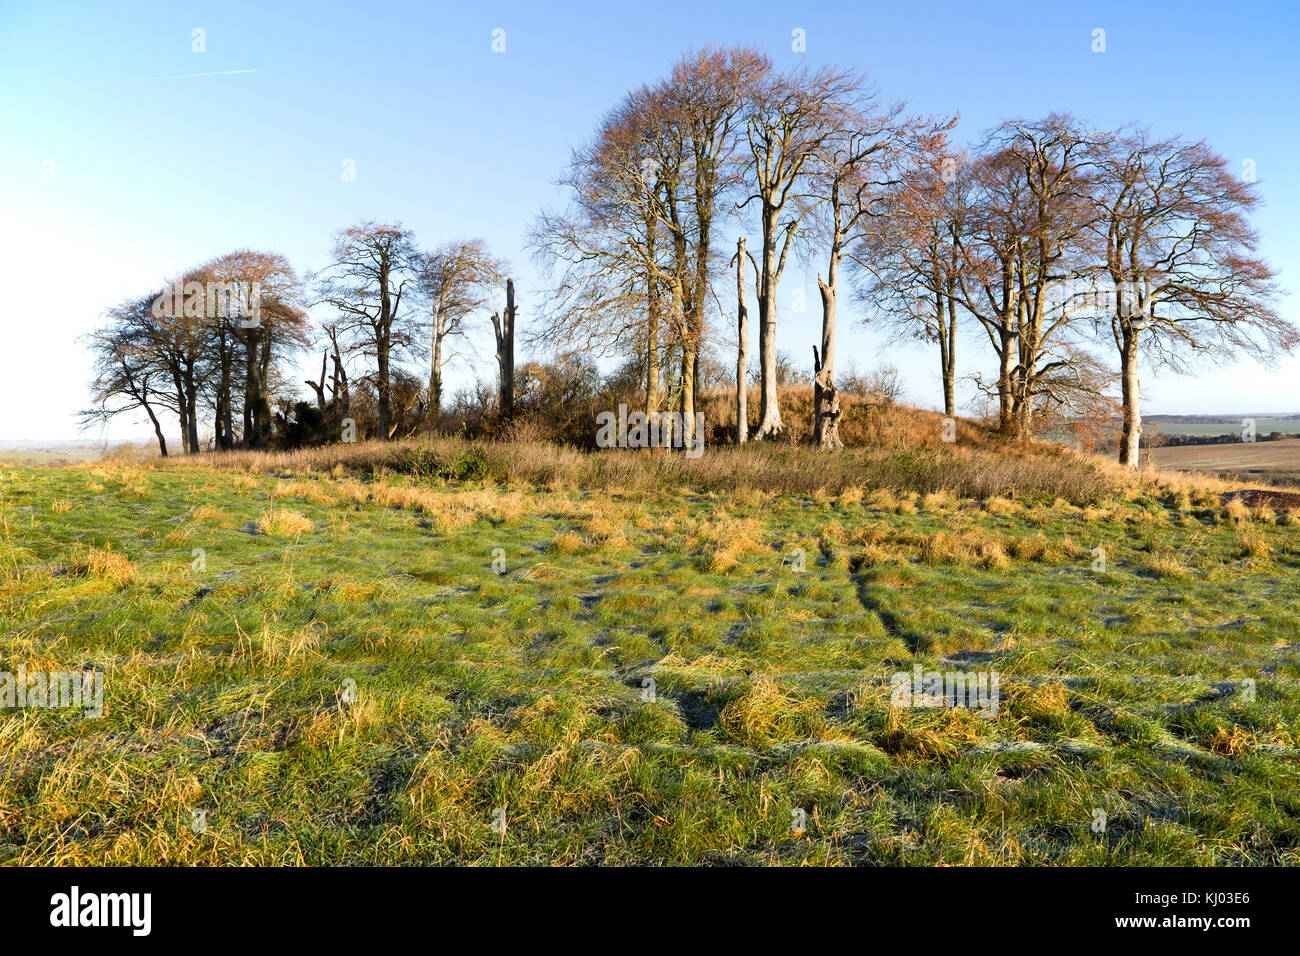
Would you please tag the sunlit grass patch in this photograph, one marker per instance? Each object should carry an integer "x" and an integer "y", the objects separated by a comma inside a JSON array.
[{"x": 282, "y": 522}]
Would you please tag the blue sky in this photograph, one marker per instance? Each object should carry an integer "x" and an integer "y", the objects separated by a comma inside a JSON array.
[{"x": 119, "y": 168}]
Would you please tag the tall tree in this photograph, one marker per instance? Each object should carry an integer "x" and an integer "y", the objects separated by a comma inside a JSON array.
[
  {"x": 1056, "y": 159},
  {"x": 1023, "y": 259},
  {"x": 261, "y": 311},
  {"x": 1179, "y": 256},
  {"x": 703, "y": 99},
  {"x": 855, "y": 167},
  {"x": 364, "y": 286},
  {"x": 742, "y": 348},
  {"x": 606, "y": 253},
  {"x": 454, "y": 281},
  {"x": 910, "y": 261},
  {"x": 787, "y": 118},
  {"x": 637, "y": 249},
  {"x": 126, "y": 372}
]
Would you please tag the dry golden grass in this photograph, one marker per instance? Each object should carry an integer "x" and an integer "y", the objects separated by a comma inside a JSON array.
[
  {"x": 893, "y": 448},
  {"x": 1252, "y": 543},
  {"x": 281, "y": 522},
  {"x": 939, "y": 501},
  {"x": 1235, "y": 510},
  {"x": 101, "y": 564},
  {"x": 723, "y": 539},
  {"x": 567, "y": 542},
  {"x": 1167, "y": 566},
  {"x": 767, "y": 714}
]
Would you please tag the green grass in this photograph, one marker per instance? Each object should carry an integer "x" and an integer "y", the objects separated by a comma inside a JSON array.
[{"x": 364, "y": 688}]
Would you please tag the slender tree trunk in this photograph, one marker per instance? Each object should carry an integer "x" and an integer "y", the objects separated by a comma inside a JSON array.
[
  {"x": 949, "y": 357},
  {"x": 250, "y": 392},
  {"x": 191, "y": 411},
  {"x": 1130, "y": 436},
  {"x": 435, "y": 373},
  {"x": 690, "y": 363},
  {"x": 263, "y": 392},
  {"x": 157, "y": 429},
  {"x": 319, "y": 387},
  {"x": 1006, "y": 396},
  {"x": 742, "y": 350},
  {"x": 385, "y": 408},
  {"x": 769, "y": 425},
  {"x": 652, "y": 372}
]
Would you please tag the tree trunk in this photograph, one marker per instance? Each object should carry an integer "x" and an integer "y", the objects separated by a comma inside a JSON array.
[
  {"x": 192, "y": 413},
  {"x": 1130, "y": 436},
  {"x": 769, "y": 425},
  {"x": 250, "y": 391},
  {"x": 504, "y": 326},
  {"x": 742, "y": 350},
  {"x": 1006, "y": 398},
  {"x": 157, "y": 430},
  {"x": 949, "y": 358},
  {"x": 690, "y": 362},
  {"x": 826, "y": 398},
  {"x": 435, "y": 374},
  {"x": 652, "y": 361},
  {"x": 385, "y": 408}
]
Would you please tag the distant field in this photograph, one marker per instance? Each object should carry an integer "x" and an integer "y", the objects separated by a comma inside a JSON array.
[
  {"x": 1272, "y": 460},
  {"x": 325, "y": 663},
  {"x": 1263, "y": 426},
  {"x": 54, "y": 455}
]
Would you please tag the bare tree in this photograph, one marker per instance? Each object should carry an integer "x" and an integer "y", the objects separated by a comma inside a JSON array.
[
  {"x": 910, "y": 261},
  {"x": 126, "y": 372},
  {"x": 787, "y": 118},
  {"x": 262, "y": 311},
  {"x": 1179, "y": 257},
  {"x": 1024, "y": 254},
  {"x": 454, "y": 281},
  {"x": 856, "y": 166},
  {"x": 703, "y": 101},
  {"x": 364, "y": 285},
  {"x": 605, "y": 254},
  {"x": 636, "y": 250}
]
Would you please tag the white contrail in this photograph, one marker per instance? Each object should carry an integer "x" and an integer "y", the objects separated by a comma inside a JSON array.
[{"x": 186, "y": 76}]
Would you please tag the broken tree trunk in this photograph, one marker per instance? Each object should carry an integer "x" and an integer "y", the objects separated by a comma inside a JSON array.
[
  {"x": 826, "y": 402},
  {"x": 504, "y": 326},
  {"x": 742, "y": 350}
]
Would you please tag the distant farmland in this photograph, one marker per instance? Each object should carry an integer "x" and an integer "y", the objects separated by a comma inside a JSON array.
[
  {"x": 1276, "y": 461},
  {"x": 1263, "y": 426}
]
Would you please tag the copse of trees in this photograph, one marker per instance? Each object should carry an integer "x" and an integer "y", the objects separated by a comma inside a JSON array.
[
  {"x": 1053, "y": 238},
  {"x": 213, "y": 338},
  {"x": 219, "y": 342},
  {"x": 1077, "y": 254}
]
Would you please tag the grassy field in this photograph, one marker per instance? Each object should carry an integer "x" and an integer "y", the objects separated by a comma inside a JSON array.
[{"x": 674, "y": 670}]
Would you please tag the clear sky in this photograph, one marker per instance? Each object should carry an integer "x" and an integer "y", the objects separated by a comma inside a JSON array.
[{"x": 125, "y": 156}]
